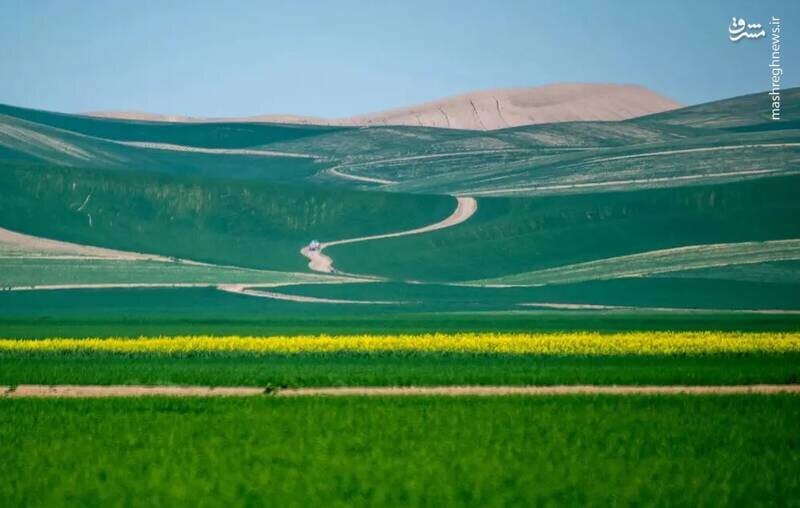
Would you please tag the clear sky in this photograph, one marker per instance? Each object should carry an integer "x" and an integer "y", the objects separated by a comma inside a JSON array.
[{"x": 339, "y": 58}]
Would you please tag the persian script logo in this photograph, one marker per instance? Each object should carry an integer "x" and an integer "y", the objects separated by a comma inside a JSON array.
[{"x": 740, "y": 29}]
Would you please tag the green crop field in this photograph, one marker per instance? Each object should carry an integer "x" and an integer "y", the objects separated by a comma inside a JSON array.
[
  {"x": 393, "y": 369},
  {"x": 732, "y": 451}
]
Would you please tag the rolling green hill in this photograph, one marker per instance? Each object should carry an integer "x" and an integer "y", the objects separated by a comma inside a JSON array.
[
  {"x": 514, "y": 235},
  {"x": 211, "y": 135},
  {"x": 70, "y": 272},
  {"x": 711, "y": 142},
  {"x": 697, "y": 207},
  {"x": 225, "y": 221},
  {"x": 735, "y": 141},
  {"x": 22, "y": 140}
]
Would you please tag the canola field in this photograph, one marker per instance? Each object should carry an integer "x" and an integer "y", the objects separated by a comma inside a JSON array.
[
  {"x": 581, "y": 343},
  {"x": 434, "y": 359}
]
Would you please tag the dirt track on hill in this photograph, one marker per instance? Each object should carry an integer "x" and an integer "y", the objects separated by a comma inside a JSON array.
[
  {"x": 367, "y": 179},
  {"x": 96, "y": 391},
  {"x": 213, "y": 151},
  {"x": 247, "y": 290},
  {"x": 319, "y": 262}
]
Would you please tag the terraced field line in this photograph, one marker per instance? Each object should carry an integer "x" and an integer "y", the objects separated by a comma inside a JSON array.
[
  {"x": 247, "y": 290},
  {"x": 110, "y": 285},
  {"x": 661, "y": 261},
  {"x": 92, "y": 391},
  {"x": 98, "y": 391},
  {"x": 335, "y": 172},
  {"x": 218, "y": 285},
  {"x": 216, "y": 151},
  {"x": 692, "y": 150},
  {"x": 634, "y": 181},
  {"x": 589, "y": 306},
  {"x": 319, "y": 262},
  {"x": 536, "y": 390}
]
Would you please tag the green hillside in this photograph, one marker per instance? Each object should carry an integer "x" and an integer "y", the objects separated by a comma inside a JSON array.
[
  {"x": 513, "y": 235},
  {"x": 22, "y": 140},
  {"x": 747, "y": 112},
  {"x": 45, "y": 272},
  {"x": 709, "y": 142},
  {"x": 663, "y": 292},
  {"x": 686, "y": 259},
  {"x": 207, "y": 135},
  {"x": 692, "y": 208},
  {"x": 225, "y": 221},
  {"x": 670, "y": 149}
]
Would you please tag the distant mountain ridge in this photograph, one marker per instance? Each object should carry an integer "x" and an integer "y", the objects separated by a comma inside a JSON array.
[{"x": 483, "y": 111}]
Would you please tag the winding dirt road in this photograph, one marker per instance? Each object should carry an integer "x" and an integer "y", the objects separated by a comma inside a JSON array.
[
  {"x": 366, "y": 179},
  {"x": 249, "y": 291},
  {"x": 216, "y": 151},
  {"x": 335, "y": 171},
  {"x": 319, "y": 262}
]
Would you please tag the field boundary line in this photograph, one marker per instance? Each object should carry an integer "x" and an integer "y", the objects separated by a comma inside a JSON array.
[
  {"x": 248, "y": 291},
  {"x": 102, "y": 391},
  {"x": 538, "y": 390}
]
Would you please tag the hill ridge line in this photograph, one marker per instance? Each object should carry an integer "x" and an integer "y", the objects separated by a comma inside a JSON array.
[{"x": 481, "y": 110}]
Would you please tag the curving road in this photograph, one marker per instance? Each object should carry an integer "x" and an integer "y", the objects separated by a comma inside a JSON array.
[{"x": 319, "y": 262}]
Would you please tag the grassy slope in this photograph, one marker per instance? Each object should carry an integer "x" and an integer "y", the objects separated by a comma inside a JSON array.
[
  {"x": 232, "y": 222},
  {"x": 26, "y": 141},
  {"x": 515, "y": 235},
  {"x": 225, "y": 222},
  {"x": 212, "y": 135},
  {"x": 569, "y": 153},
  {"x": 35, "y": 272},
  {"x": 777, "y": 271},
  {"x": 544, "y": 153},
  {"x": 732, "y": 451},
  {"x": 744, "y": 113},
  {"x": 687, "y": 291},
  {"x": 597, "y": 170},
  {"x": 660, "y": 262}
]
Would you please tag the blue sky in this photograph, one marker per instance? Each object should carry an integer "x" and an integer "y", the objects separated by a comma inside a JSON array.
[{"x": 339, "y": 58}]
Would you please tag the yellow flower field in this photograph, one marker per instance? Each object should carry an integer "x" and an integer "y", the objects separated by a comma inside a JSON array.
[{"x": 594, "y": 344}]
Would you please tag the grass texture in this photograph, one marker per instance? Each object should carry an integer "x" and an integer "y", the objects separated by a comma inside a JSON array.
[{"x": 578, "y": 451}]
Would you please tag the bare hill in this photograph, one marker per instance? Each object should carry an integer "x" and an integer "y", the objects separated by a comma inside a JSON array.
[{"x": 486, "y": 110}]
